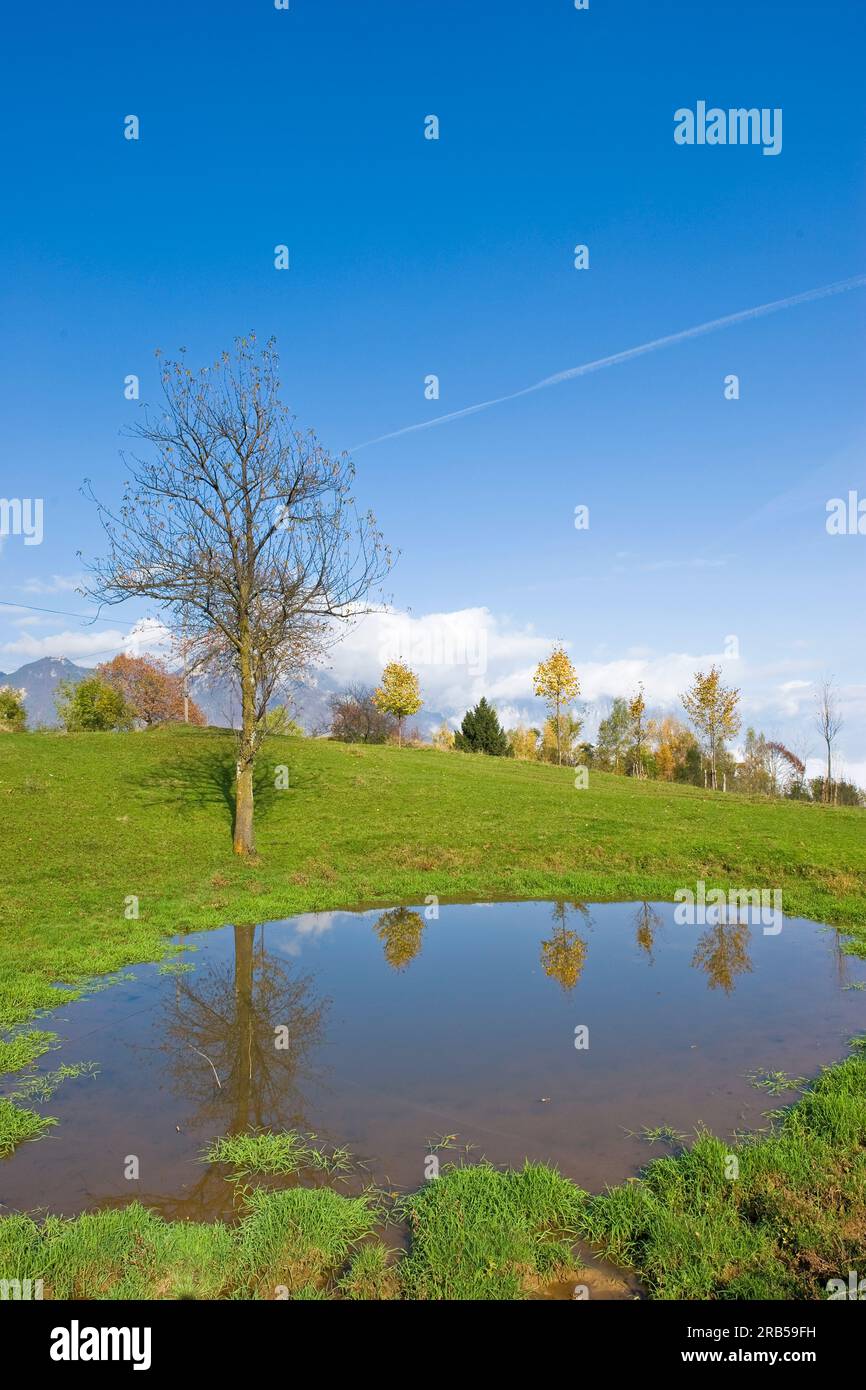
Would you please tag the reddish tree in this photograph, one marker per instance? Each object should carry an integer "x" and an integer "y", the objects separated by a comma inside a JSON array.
[{"x": 155, "y": 693}]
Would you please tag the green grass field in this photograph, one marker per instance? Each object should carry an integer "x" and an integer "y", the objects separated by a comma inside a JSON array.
[{"x": 90, "y": 820}]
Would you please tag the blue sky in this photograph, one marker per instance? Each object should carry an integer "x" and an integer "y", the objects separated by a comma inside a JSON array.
[{"x": 455, "y": 257}]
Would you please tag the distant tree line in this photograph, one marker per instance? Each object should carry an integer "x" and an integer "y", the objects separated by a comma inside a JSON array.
[
  {"x": 139, "y": 692},
  {"x": 630, "y": 741}
]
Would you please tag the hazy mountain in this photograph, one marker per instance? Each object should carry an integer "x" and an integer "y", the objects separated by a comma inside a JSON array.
[{"x": 39, "y": 681}]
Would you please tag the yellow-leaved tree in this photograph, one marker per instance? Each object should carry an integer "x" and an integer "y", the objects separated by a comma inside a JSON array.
[
  {"x": 712, "y": 708},
  {"x": 556, "y": 682},
  {"x": 443, "y": 739},
  {"x": 636, "y": 711},
  {"x": 523, "y": 742},
  {"x": 398, "y": 694}
]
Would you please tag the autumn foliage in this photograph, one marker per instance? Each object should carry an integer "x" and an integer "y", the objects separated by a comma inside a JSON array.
[
  {"x": 398, "y": 695},
  {"x": 153, "y": 692},
  {"x": 556, "y": 682}
]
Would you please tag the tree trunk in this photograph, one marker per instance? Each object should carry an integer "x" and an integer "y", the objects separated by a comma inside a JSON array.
[
  {"x": 244, "y": 1025},
  {"x": 244, "y": 839},
  {"x": 558, "y": 736},
  {"x": 829, "y": 789}
]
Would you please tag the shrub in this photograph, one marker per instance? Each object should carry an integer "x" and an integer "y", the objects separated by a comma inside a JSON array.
[
  {"x": 92, "y": 706},
  {"x": 279, "y": 721},
  {"x": 13, "y": 716}
]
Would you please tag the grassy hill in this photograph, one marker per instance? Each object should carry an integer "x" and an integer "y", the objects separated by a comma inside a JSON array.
[{"x": 90, "y": 820}]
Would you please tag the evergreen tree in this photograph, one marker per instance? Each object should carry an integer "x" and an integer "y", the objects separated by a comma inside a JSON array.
[{"x": 481, "y": 732}]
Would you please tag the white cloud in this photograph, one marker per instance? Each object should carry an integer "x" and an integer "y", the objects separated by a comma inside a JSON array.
[
  {"x": 57, "y": 584},
  {"x": 77, "y": 646},
  {"x": 844, "y": 769},
  {"x": 148, "y": 635},
  {"x": 458, "y": 656},
  {"x": 463, "y": 655},
  {"x": 87, "y": 646}
]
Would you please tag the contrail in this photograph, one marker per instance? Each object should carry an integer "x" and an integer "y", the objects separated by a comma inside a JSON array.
[{"x": 823, "y": 292}]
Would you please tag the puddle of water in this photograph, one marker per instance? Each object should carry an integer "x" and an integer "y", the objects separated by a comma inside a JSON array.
[{"x": 384, "y": 1032}]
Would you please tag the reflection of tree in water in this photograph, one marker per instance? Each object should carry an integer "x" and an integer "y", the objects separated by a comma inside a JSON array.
[
  {"x": 563, "y": 956},
  {"x": 843, "y": 962},
  {"x": 723, "y": 952},
  {"x": 647, "y": 923},
  {"x": 401, "y": 931},
  {"x": 225, "y": 1021}
]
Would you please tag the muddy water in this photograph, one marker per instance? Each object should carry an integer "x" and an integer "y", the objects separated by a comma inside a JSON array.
[{"x": 387, "y": 1032}]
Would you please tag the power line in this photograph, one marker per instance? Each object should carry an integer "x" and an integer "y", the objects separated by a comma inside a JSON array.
[
  {"x": 61, "y": 612},
  {"x": 64, "y": 613}
]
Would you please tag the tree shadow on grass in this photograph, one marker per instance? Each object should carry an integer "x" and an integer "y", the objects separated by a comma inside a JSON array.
[{"x": 207, "y": 778}]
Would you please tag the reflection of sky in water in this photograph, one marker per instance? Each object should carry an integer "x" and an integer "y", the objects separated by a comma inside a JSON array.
[{"x": 302, "y": 930}]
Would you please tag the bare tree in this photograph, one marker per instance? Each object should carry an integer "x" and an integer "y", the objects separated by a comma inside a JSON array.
[
  {"x": 244, "y": 529},
  {"x": 356, "y": 719},
  {"x": 828, "y": 721}
]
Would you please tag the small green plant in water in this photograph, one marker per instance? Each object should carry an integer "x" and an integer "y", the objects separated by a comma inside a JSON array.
[
  {"x": 775, "y": 1083},
  {"x": 284, "y": 1154},
  {"x": 662, "y": 1134},
  {"x": 42, "y": 1085}
]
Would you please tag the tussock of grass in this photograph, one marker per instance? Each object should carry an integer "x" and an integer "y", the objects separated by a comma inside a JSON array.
[
  {"x": 262, "y": 1151},
  {"x": 478, "y": 1233},
  {"x": 18, "y": 1124},
  {"x": 131, "y": 1253},
  {"x": 286, "y": 1242},
  {"x": 371, "y": 1277},
  {"x": 299, "y": 1236}
]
